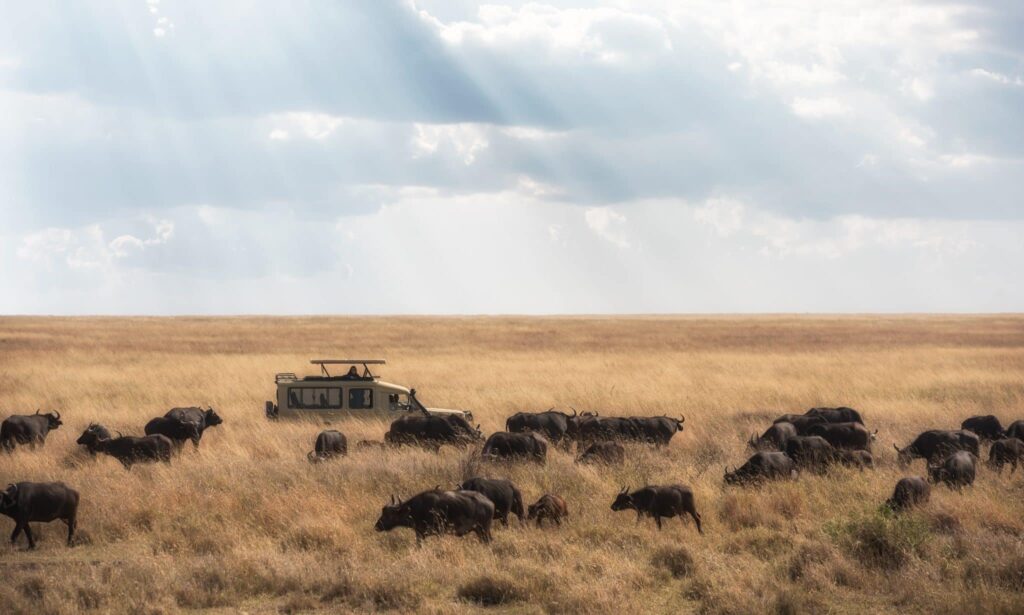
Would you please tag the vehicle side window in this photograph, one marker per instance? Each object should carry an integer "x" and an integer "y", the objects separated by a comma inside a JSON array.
[
  {"x": 398, "y": 402},
  {"x": 314, "y": 399},
  {"x": 360, "y": 399}
]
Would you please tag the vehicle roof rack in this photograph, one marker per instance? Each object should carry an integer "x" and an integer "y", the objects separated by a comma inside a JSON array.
[{"x": 367, "y": 374}]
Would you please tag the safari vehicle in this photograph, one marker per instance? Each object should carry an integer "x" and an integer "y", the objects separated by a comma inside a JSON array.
[{"x": 352, "y": 394}]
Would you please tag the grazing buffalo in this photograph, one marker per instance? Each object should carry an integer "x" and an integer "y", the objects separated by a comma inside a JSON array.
[
  {"x": 909, "y": 492},
  {"x": 836, "y": 415},
  {"x": 93, "y": 432},
  {"x": 987, "y": 427},
  {"x": 28, "y": 429},
  {"x": 937, "y": 443},
  {"x": 657, "y": 501},
  {"x": 852, "y": 436},
  {"x": 552, "y": 424},
  {"x": 801, "y": 422},
  {"x": 810, "y": 452},
  {"x": 202, "y": 418},
  {"x": 178, "y": 432},
  {"x": 855, "y": 459},
  {"x": 657, "y": 430},
  {"x": 1015, "y": 430},
  {"x": 774, "y": 438},
  {"x": 440, "y": 512},
  {"x": 130, "y": 450},
  {"x": 957, "y": 470},
  {"x": 366, "y": 445},
  {"x": 1007, "y": 450},
  {"x": 762, "y": 466},
  {"x": 603, "y": 452},
  {"x": 329, "y": 443},
  {"x": 39, "y": 503},
  {"x": 505, "y": 496},
  {"x": 431, "y": 431},
  {"x": 504, "y": 445},
  {"x": 549, "y": 506}
]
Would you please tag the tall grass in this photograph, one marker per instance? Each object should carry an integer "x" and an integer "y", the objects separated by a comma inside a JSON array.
[{"x": 245, "y": 523}]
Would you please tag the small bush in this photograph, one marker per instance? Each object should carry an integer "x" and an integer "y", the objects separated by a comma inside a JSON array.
[
  {"x": 490, "y": 591},
  {"x": 676, "y": 560},
  {"x": 390, "y": 597},
  {"x": 882, "y": 540}
]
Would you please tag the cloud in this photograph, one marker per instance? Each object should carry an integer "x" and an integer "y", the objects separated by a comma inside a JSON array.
[
  {"x": 607, "y": 224},
  {"x": 809, "y": 144}
]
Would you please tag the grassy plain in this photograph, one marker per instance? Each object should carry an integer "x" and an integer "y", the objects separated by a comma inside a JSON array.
[{"x": 246, "y": 524}]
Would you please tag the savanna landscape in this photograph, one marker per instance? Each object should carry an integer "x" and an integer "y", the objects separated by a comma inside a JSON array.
[{"x": 246, "y": 524}]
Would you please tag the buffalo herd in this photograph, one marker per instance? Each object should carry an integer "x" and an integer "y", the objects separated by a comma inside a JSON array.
[{"x": 792, "y": 444}]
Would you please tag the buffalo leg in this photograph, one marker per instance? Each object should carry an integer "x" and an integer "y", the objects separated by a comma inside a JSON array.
[
  {"x": 17, "y": 530},
  {"x": 558, "y": 520},
  {"x": 1013, "y": 466},
  {"x": 72, "y": 524},
  {"x": 696, "y": 519},
  {"x": 657, "y": 521},
  {"x": 540, "y": 520},
  {"x": 28, "y": 533}
]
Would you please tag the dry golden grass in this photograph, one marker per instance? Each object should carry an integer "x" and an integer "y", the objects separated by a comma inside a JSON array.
[{"x": 247, "y": 524}]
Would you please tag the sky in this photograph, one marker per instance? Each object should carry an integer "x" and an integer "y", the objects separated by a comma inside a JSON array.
[{"x": 451, "y": 157}]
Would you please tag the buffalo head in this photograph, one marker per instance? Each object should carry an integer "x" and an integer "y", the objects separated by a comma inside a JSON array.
[
  {"x": 903, "y": 456},
  {"x": 7, "y": 497},
  {"x": 393, "y": 515},
  {"x": 623, "y": 501},
  {"x": 211, "y": 416}
]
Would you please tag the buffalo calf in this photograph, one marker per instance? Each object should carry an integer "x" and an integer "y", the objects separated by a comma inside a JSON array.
[
  {"x": 1007, "y": 450},
  {"x": 329, "y": 443},
  {"x": 762, "y": 466},
  {"x": 505, "y": 496},
  {"x": 909, "y": 492},
  {"x": 603, "y": 452},
  {"x": 549, "y": 506}
]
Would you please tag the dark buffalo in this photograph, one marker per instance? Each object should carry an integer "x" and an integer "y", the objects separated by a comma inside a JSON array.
[
  {"x": 39, "y": 503},
  {"x": 810, "y": 451},
  {"x": 853, "y": 436},
  {"x": 130, "y": 450},
  {"x": 549, "y": 506},
  {"x": 909, "y": 492},
  {"x": 801, "y": 422},
  {"x": 93, "y": 432},
  {"x": 657, "y": 501},
  {"x": 774, "y": 438},
  {"x": 329, "y": 443},
  {"x": 957, "y": 470},
  {"x": 762, "y": 466},
  {"x": 178, "y": 432},
  {"x": 836, "y": 415},
  {"x": 504, "y": 445},
  {"x": 203, "y": 419},
  {"x": 1007, "y": 450},
  {"x": 855, "y": 459},
  {"x": 1016, "y": 430},
  {"x": 937, "y": 443},
  {"x": 603, "y": 452},
  {"x": 657, "y": 430},
  {"x": 430, "y": 431},
  {"x": 440, "y": 512},
  {"x": 505, "y": 496},
  {"x": 552, "y": 424},
  {"x": 28, "y": 429},
  {"x": 987, "y": 427}
]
